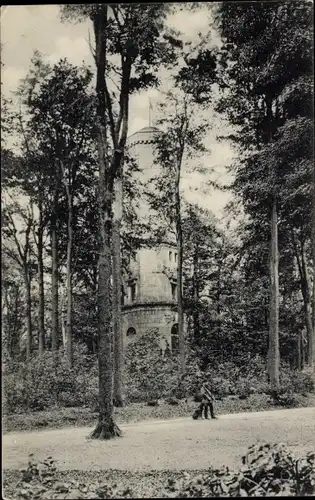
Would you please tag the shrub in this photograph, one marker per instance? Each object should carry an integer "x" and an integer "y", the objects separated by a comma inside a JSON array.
[
  {"x": 294, "y": 381},
  {"x": 39, "y": 482},
  {"x": 230, "y": 379},
  {"x": 189, "y": 384},
  {"x": 287, "y": 400},
  {"x": 293, "y": 386},
  {"x": 48, "y": 382},
  {"x": 267, "y": 471},
  {"x": 149, "y": 375}
]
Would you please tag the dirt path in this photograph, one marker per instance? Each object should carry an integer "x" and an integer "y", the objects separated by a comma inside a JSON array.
[{"x": 168, "y": 444}]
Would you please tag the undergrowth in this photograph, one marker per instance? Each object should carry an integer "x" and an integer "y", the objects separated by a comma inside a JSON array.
[
  {"x": 266, "y": 470},
  {"x": 47, "y": 383}
]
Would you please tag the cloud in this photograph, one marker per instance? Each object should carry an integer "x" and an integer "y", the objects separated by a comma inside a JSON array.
[
  {"x": 137, "y": 123},
  {"x": 48, "y": 12},
  {"x": 139, "y": 109},
  {"x": 222, "y": 153},
  {"x": 10, "y": 78},
  {"x": 76, "y": 50},
  {"x": 210, "y": 198},
  {"x": 189, "y": 22},
  {"x": 140, "y": 101},
  {"x": 26, "y": 28}
]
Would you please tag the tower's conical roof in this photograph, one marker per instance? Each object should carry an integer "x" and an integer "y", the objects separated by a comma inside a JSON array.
[
  {"x": 144, "y": 135},
  {"x": 148, "y": 129}
]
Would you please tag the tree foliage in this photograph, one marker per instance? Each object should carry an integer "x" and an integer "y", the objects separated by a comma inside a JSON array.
[{"x": 264, "y": 77}]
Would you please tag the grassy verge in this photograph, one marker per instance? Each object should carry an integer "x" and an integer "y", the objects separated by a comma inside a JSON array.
[
  {"x": 65, "y": 417},
  {"x": 150, "y": 484}
]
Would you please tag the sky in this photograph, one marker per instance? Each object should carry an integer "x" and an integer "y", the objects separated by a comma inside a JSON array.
[{"x": 30, "y": 27}]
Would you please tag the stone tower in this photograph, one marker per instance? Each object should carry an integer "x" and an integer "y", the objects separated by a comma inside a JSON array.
[{"x": 150, "y": 291}]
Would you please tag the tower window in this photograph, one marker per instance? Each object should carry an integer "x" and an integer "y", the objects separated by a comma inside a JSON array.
[
  {"x": 131, "y": 332},
  {"x": 174, "y": 338},
  {"x": 174, "y": 290},
  {"x": 170, "y": 256},
  {"x": 175, "y": 257}
]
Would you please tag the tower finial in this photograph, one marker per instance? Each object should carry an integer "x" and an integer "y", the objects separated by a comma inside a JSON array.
[{"x": 150, "y": 114}]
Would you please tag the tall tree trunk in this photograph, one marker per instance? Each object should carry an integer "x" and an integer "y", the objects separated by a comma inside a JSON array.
[
  {"x": 306, "y": 294},
  {"x": 11, "y": 320},
  {"x": 180, "y": 311},
  {"x": 303, "y": 343},
  {"x": 196, "y": 322},
  {"x": 300, "y": 351},
  {"x": 273, "y": 353},
  {"x": 117, "y": 318},
  {"x": 106, "y": 427},
  {"x": 299, "y": 347},
  {"x": 28, "y": 300},
  {"x": 218, "y": 299},
  {"x": 6, "y": 324},
  {"x": 54, "y": 286},
  {"x": 63, "y": 319},
  {"x": 313, "y": 262},
  {"x": 307, "y": 309},
  {"x": 41, "y": 292},
  {"x": 69, "y": 347}
]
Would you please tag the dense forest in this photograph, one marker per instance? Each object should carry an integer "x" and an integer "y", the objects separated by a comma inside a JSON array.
[{"x": 69, "y": 219}]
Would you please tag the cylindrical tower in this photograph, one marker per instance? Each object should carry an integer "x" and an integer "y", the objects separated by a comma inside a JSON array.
[
  {"x": 142, "y": 148},
  {"x": 150, "y": 289}
]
